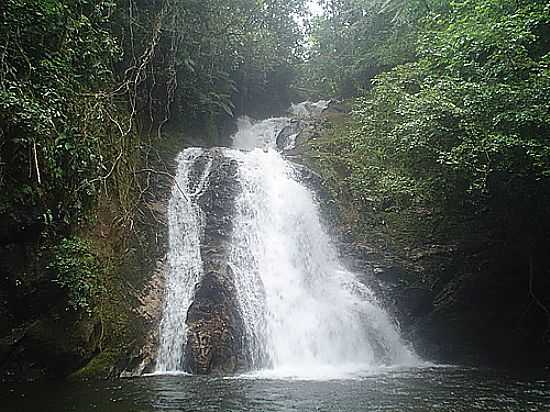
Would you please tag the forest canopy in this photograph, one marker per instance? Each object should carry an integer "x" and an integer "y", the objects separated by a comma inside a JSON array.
[
  {"x": 82, "y": 82},
  {"x": 451, "y": 101}
]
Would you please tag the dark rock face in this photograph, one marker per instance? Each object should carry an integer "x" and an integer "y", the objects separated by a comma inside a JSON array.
[
  {"x": 484, "y": 316},
  {"x": 415, "y": 302},
  {"x": 284, "y": 138},
  {"x": 47, "y": 347},
  {"x": 214, "y": 338},
  {"x": 215, "y": 326}
]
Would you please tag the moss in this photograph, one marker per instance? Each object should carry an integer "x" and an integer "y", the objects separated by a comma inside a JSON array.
[
  {"x": 100, "y": 367},
  {"x": 129, "y": 250}
]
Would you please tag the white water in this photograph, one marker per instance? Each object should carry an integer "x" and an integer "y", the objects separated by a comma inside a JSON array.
[
  {"x": 307, "y": 109},
  {"x": 301, "y": 306},
  {"x": 185, "y": 224},
  {"x": 263, "y": 135},
  {"x": 305, "y": 314}
]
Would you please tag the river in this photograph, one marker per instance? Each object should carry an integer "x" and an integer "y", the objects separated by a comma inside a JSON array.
[{"x": 420, "y": 389}]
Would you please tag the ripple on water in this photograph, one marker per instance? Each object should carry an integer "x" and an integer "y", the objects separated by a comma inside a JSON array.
[{"x": 414, "y": 389}]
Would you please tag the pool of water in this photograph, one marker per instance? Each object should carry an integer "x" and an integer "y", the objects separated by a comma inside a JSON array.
[{"x": 427, "y": 389}]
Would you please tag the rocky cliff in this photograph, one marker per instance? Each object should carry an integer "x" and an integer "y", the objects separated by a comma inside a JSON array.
[{"x": 214, "y": 323}]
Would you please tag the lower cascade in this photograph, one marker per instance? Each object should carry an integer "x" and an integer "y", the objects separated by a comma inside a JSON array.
[{"x": 255, "y": 283}]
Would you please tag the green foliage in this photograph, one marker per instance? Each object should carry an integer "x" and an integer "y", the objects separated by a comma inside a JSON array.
[
  {"x": 356, "y": 39},
  {"x": 54, "y": 57},
  {"x": 199, "y": 59},
  {"x": 469, "y": 121},
  {"x": 80, "y": 80},
  {"x": 77, "y": 271}
]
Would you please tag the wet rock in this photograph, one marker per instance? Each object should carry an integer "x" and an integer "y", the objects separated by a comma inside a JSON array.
[
  {"x": 415, "y": 302},
  {"x": 214, "y": 337},
  {"x": 309, "y": 110},
  {"x": 47, "y": 348},
  {"x": 286, "y": 139},
  {"x": 307, "y": 123},
  {"x": 392, "y": 275},
  {"x": 142, "y": 359},
  {"x": 214, "y": 324}
]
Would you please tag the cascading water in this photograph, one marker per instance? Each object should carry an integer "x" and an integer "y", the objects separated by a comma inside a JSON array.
[
  {"x": 303, "y": 312},
  {"x": 185, "y": 223}
]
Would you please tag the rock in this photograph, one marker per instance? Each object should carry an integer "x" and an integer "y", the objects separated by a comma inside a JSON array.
[
  {"x": 308, "y": 110},
  {"x": 49, "y": 347},
  {"x": 335, "y": 106},
  {"x": 215, "y": 327},
  {"x": 142, "y": 359},
  {"x": 286, "y": 138},
  {"x": 306, "y": 124},
  {"x": 415, "y": 302}
]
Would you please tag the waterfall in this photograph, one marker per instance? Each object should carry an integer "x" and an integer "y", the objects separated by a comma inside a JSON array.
[
  {"x": 301, "y": 308},
  {"x": 185, "y": 223}
]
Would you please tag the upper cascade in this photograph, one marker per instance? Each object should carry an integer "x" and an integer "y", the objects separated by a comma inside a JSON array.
[
  {"x": 258, "y": 135},
  {"x": 307, "y": 109},
  {"x": 255, "y": 281}
]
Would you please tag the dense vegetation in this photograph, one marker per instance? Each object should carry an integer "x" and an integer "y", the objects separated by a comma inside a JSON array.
[
  {"x": 96, "y": 97},
  {"x": 86, "y": 88},
  {"x": 355, "y": 40},
  {"x": 449, "y": 137},
  {"x": 75, "y": 72},
  {"x": 467, "y": 121}
]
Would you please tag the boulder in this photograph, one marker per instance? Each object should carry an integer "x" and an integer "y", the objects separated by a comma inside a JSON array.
[
  {"x": 215, "y": 327},
  {"x": 286, "y": 138}
]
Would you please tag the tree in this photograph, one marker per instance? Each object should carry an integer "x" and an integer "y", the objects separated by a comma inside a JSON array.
[
  {"x": 55, "y": 60},
  {"x": 357, "y": 39},
  {"x": 469, "y": 121}
]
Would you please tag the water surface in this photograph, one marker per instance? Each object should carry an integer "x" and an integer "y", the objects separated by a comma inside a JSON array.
[{"x": 429, "y": 389}]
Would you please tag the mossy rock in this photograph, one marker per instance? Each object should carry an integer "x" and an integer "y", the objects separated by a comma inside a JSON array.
[{"x": 101, "y": 366}]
